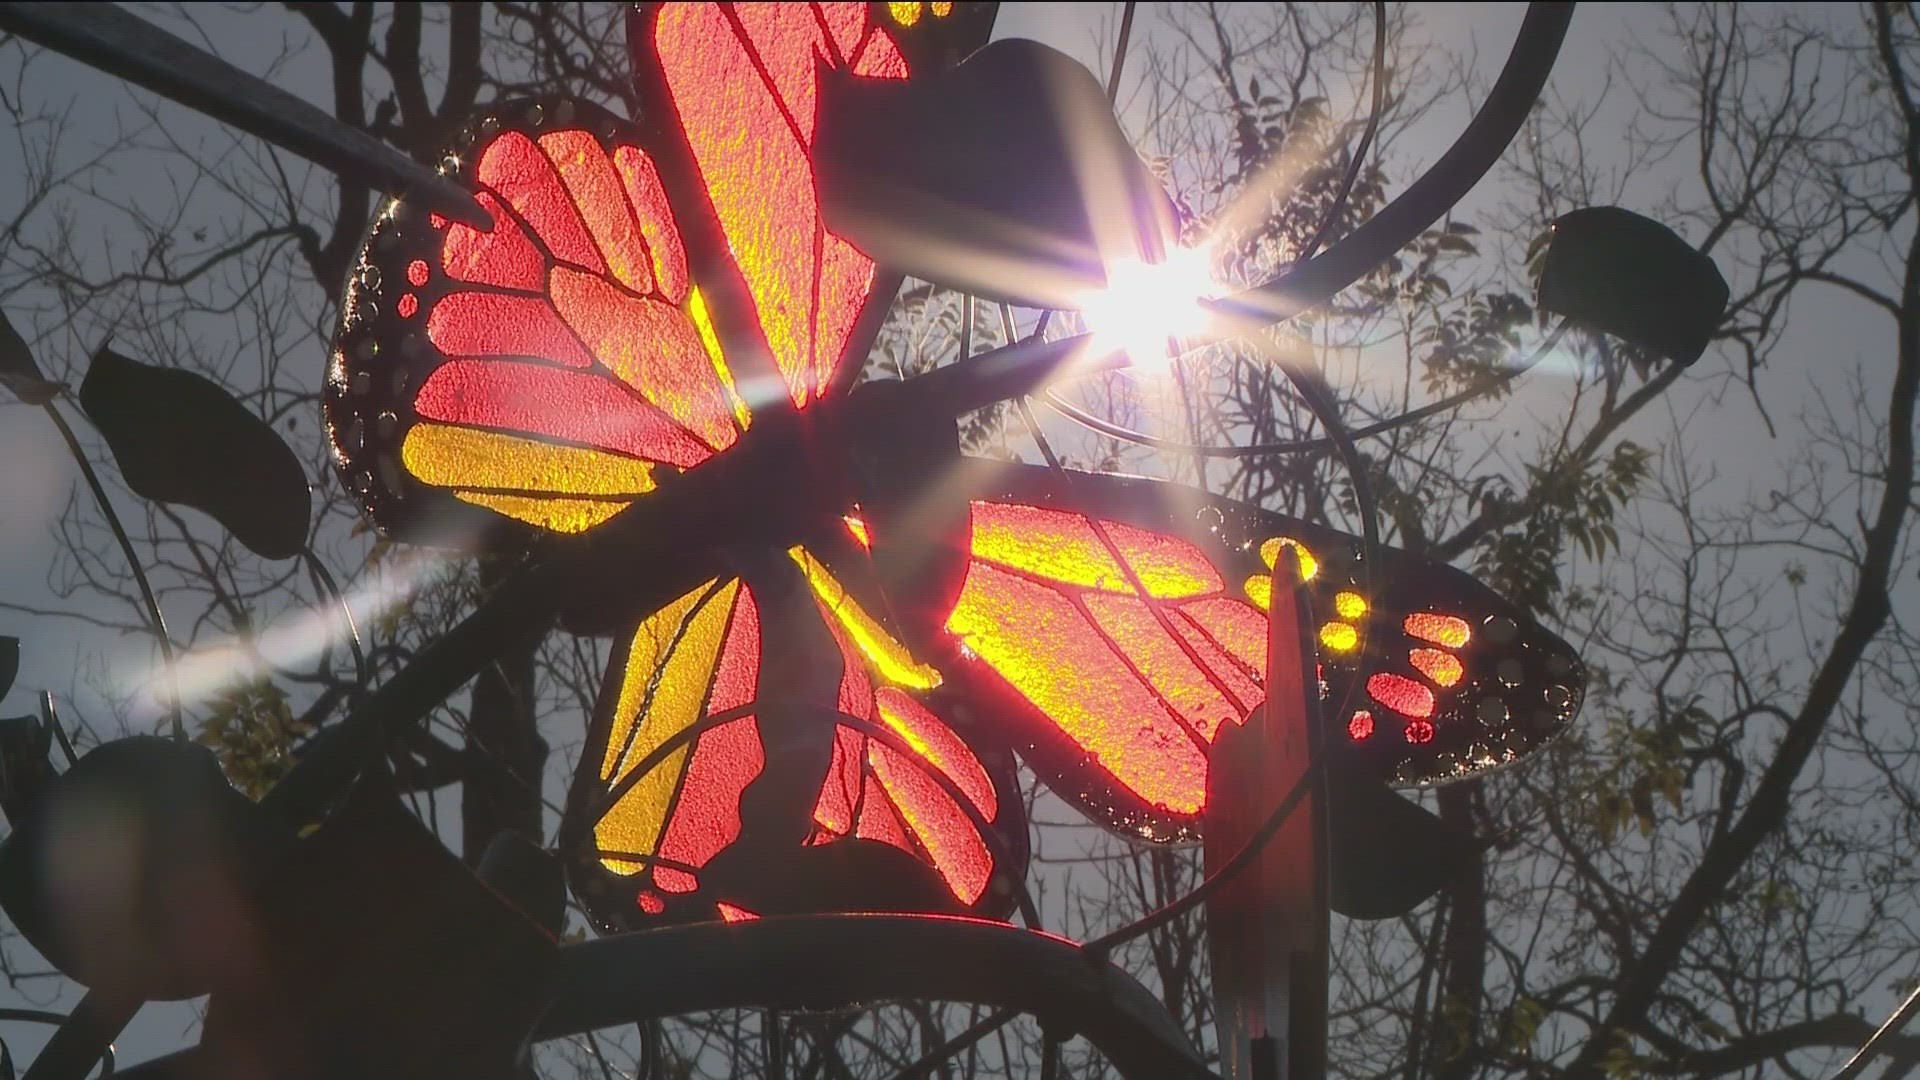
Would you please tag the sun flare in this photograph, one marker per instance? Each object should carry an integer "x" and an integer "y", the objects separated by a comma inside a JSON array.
[{"x": 1148, "y": 309}]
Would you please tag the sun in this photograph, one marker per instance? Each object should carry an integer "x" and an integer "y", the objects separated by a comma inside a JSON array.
[{"x": 1148, "y": 309}]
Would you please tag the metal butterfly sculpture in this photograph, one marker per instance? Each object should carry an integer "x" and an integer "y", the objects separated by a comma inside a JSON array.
[{"x": 830, "y": 722}]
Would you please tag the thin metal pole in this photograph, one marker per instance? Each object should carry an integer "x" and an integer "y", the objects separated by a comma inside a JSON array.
[
  {"x": 1120, "y": 54},
  {"x": 51, "y": 718}
]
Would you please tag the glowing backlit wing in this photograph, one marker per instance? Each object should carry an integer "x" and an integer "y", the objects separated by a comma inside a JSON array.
[
  {"x": 543, "y": 371},
  {"x": 643, "y": 290},
  {"x": 679, "y": 760},
  {"x": 1116, "y": 704},
  {"x": 742, "y": 80}
]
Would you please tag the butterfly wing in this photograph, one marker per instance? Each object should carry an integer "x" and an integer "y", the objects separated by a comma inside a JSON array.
[
  {"x": 911, "y": 783},
  {"x": 1116, "y": 702},
  {"x": 738, "y": 85},
  {"x": 644, "y": 290},
  {"x": 702, "y": 783},
  {"x": 545, "y": 372}
]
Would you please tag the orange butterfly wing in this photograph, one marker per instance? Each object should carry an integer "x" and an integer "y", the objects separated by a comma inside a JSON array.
[
  {"x": 743, "y": 80},
  {"x": 1047, "y": 609},
  {"x": 1116, "y": 705},
  {"x": 545, "y": 370},
  {"x": 678, "y": 741},
  {"x": 877, "y": 791}
]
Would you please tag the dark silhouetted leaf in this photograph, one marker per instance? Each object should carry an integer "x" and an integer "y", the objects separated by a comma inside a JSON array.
[
  {"x": 1612, "y": 270},
  {"x": 1007, "y": 176},
  {"x": 1387, "y": 854},
  {"x": 18, "y": 372},
  {"x": 163, "y": 919},
  {"x": 179, "y": 438},
  {"x": 383, "y": 956}
]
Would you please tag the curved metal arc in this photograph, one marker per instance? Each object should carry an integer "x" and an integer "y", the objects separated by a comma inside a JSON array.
[
  {"x": 1024, "y": 367},
  {"x": 798, "y": 962},
  {"x": 1471, "y": 156},
  {"x": 1361, "y": 149}
]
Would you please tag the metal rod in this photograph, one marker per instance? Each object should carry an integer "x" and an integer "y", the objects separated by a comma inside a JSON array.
[
  {"x": 593, "y": 1047},
  {"x": 774, "y": 1035},
  {"x": 1049, "y": 1057},
  {"x": 1857, "y": 1064},
  {"x": 1153, "y": 920},
  {"x": 323, "y": 580},
  {"x": 1120, "y": 54},
  {"x": 1365, "y": 146},
  {"x": 51, "y": 718},
  {"x": 110, "y": 39},
  {"x": 156, "y": 620},
  {"x": 84, "y": 1040}
]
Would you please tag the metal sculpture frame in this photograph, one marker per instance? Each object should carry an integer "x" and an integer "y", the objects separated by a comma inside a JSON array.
[{"x": 1071, "y": 988}]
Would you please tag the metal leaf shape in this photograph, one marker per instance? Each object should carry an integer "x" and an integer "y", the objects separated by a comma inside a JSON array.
[
  {"x": 18, "y": 373},
  {"x": 162, "y": 920},
  {"x": 383, "y": 956},
  {"x": 1388, "y": 853},
  {"x": 1615, "y": 271},
  {"x": 1007, "y": 176},
  {"x": 179, "y": 438}
]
